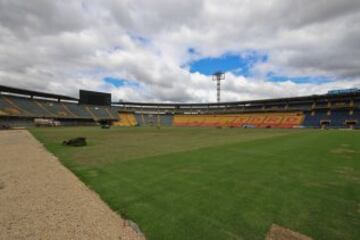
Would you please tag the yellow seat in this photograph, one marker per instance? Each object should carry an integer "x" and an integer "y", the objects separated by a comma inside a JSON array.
[{"x": 126, "y": 120}]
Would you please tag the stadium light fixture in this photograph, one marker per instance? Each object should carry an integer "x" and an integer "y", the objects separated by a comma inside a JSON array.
[{"x": 218, "y": 77}]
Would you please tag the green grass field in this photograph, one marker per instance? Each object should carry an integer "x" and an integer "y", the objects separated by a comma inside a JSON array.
[{"x": 207, "y": 183}]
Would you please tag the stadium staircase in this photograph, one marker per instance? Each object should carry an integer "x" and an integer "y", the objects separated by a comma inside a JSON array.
[
  {"x": 6, "y": 109},
  {"x": 110, "y": 115},
  {"x": 68, "y": 111},
  {"x": 93, "y": 116},
  {"x": 79, "y": 110},
  {"x": 48, "y": 113}
]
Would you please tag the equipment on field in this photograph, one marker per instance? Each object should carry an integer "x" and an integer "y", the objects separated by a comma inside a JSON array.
[{"x": 76, "y": 142}]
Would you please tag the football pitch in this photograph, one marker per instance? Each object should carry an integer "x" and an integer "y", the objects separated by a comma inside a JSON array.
[{"x": 208, "y": 183}]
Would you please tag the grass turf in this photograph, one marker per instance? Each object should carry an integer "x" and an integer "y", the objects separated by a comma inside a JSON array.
[{"x": 206, "y": 183}]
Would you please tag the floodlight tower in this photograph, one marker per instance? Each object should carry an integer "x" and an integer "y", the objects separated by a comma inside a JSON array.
[{"x": 218, "y": 77}]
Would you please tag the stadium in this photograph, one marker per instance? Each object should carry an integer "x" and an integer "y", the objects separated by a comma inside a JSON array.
[
  {"x": 179, "y": 120},
  {"x": 262, "y": 169}
]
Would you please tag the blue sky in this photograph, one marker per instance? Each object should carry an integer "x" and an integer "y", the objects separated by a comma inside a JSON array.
[
  {"x": 242, "y": 65},
  {"x": 118, "y": 82},
  {"x": 273, "y": 77},
  {"x": 239, "y": 64}
]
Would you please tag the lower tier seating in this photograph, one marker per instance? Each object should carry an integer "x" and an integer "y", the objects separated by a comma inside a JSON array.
[
  {"x": 266, "y": 120},
  {"x": 126, "y": 120},
  {"x": 338, "y": 118},
  {"x": 154, "y": 119}
]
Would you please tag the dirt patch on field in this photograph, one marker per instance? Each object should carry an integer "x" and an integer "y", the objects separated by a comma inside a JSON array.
[
  {"x": 41, "y": 199},
  {"x": 343, "y": 150},
  {"x": 348, "y": 173},
  {"x": 280, "y": 233}
]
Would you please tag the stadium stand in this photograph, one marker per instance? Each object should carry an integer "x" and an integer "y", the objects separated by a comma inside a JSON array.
[
  {"x": 339, "y": 118},
  {"x": 336, "y": 118},
  {"x": 110, "y": 113},
  {"x": 6, "y": 109},
  {"x": 114, "y": 111},
  {"x": 126, "y": 120},
  {"x": 40, "y": 105},
  {"x": 69, "y": 112},
  {"x": 312, "y": 119},
  {"x": 337, "y": 109},
  {"x": 267, "y": 120},
  {"x": 154, "y": 119},
  {"x": 78, "y": 110},
  {"x": 99, "y": 112},
  {"x": 16, "y": 111},
  {"x": 53, "y": 108},
  {"x": 140, "y": 119},
  {"x": 166, "y": 120},
  {"x": 29, "y": 106},
  {"x": 15, "y": 122},
  {"x": 13, "y": 108}
]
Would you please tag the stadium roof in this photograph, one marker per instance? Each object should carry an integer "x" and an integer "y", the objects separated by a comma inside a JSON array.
[
  {"x": 263, "y": 101},
  {"x": 34, "y": 93}
]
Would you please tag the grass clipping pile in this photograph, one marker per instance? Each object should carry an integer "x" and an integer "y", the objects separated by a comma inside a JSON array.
[{"x": 41, "y": 199}]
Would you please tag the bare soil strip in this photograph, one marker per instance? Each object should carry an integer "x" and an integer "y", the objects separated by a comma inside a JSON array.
[
  {"x": 41, "y": 199},
  {"x": 280, "y": 233}
]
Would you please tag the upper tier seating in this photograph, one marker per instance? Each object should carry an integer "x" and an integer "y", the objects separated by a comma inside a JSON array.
[{"x": 265, "y": 120}]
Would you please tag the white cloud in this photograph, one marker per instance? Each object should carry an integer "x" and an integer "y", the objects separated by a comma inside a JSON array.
[{"x": 61, "y": 46}]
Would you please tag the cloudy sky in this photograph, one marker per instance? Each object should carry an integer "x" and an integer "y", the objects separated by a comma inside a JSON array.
[{"x": 164, "y": 50}]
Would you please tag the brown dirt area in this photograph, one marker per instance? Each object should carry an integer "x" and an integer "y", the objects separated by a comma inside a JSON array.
[
  {"x": 280, "y": 233},
  {"x": 41, "y": 199}
]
